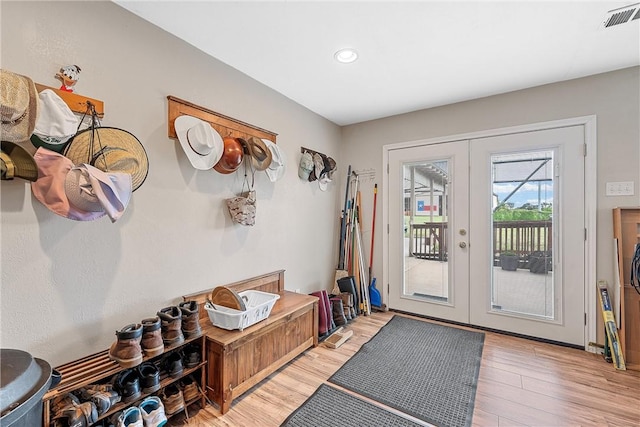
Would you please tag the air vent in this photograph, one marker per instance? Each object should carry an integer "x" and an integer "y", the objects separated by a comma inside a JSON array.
[{"x": 622, "y": 15}]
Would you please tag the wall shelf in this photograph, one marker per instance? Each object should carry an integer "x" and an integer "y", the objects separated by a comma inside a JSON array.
[{"x": 224, "y": 125}]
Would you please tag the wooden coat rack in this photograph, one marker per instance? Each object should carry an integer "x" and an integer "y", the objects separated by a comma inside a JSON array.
[
  {"x": 224, "y": 125},
  {"x": 77, "y": 103}
]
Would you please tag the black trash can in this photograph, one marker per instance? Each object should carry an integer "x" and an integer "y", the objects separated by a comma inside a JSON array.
[
  {"x": 540, "y": 262},
  {"x": 23, "y": 381}
]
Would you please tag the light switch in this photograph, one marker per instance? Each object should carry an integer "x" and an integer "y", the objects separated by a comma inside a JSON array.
[{"x": 620, "y": 188}]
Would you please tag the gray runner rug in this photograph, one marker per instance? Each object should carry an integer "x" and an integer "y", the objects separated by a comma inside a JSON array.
[
  {"x": 328, "y": 406},
  {"x": 422, "y": 369}
]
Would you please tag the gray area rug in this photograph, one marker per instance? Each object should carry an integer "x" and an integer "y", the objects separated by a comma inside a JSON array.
[
  {"x": 328, "y": 406},
  {"x": 423, "y": 369}
]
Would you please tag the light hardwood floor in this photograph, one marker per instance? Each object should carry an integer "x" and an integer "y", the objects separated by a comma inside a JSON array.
[{"x": 521, "y": 383}]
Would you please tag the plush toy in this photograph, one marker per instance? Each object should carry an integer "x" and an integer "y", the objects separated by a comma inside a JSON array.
[{"x": 69, "y": 76}]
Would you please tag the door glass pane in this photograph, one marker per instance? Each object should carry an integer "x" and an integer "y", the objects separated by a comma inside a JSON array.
[
  {"x": 522, "y": 224},
  {"x": 426, "y": 216}
]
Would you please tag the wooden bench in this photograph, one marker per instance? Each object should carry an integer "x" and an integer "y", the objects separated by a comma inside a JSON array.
[{"x": 238, "y": 360}]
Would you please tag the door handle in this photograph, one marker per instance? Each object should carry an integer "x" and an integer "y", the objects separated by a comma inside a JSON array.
[{"x": 462, "y": 244}]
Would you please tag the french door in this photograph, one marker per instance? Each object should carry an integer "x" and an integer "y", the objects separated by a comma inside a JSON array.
[{"x": 490, "y": 232}]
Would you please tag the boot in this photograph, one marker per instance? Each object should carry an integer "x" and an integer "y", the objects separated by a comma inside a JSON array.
[
  {"x": 323, "y": 328},
  {"x": 190, "y": 319},
  {"x": 348, "y": 284},
  {"x": 171, "y": 325},
  {"x": 126, "y": 349},
  {"x": 338, "y": 311},
  {"x": 347, "y": 305},
  {"x": 152, "y": 344},
  {"x": 327, "y": 305}
]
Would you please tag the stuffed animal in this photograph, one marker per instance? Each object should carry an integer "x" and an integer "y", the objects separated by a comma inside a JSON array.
[{"x": 69, "y": 76}]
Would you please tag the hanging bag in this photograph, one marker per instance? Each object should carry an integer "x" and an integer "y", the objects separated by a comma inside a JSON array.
[{"x": 242, "y": 208}]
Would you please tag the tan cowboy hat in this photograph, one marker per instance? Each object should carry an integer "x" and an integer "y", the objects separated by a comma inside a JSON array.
[
  {"x": 261, "y": 156},
  {"x": 17, "y": 162},
  {"x": 114, "y": 150},
  {"x": 18, "y": 106}
]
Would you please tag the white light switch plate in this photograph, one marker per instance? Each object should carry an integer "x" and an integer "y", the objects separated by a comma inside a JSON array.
[{"x": 620, "y": 188}]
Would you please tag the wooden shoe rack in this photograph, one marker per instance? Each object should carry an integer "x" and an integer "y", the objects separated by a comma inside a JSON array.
[{"x": 98, "y": 367}]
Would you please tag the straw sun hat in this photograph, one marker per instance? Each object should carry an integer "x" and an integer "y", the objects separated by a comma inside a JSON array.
[
  {"x": 114, "y": 150},
  {"x": 18, "y": 106}
]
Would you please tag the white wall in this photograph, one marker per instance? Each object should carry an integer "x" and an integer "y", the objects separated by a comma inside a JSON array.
[
  {"x": 613, "y": 97},
  {"x": 68, "y": 286}
]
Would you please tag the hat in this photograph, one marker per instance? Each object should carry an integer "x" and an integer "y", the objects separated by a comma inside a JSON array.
[
  {"x": 306, "y": 166},
  {"x": 17, "y": 162},
  {"x": 318, "y": 167},
  {"x": 200, "y": 141},
  {"x": 18, "y": 106},
  {"x": 231, "y": 156},
  {"x": 114, "y": 150},
  {"x": 275, "y": 171},
  {"x": 81, "y": 193},
  {"x": 327, "y": 172},
  {"x": 261, "y": 156},
  {"x": 56, "y": 123}
]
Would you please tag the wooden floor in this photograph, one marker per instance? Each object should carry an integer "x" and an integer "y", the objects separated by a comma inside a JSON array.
[{"x": 521, "y": 383}]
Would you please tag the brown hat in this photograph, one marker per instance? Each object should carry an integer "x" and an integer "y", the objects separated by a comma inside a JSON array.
[
  {"x": 18, "y": 106},
  {"x": 17, "y": 162},
  {"x": 114, "y": 150},
  {"x": 232, "y": 156},
  {"x": 261, "y": 155}
]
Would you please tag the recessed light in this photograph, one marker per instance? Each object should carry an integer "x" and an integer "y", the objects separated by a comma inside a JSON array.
[{"x": 346, "y": 55}]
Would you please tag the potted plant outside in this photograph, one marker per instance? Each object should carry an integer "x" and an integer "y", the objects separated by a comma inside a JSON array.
[{"x": 509, "y": 261}]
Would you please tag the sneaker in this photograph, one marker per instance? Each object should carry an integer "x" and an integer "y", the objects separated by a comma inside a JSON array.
[
  {"x": 171, "y": 325},
  {"x": 190, "y": 389},
  {"x": 126, "y": 349},
  {"x": 192, "y": 355},
  {"x": 102, "y": 395},
  {"x": 76, "y": 414},
  {"x": 149, "y": 375},
  {"x": 152, "y": 344},
  {"x": 152, "y": 411},
  {"x": 127, "y": 384},
  {"x": 130, "y": 417},
  {"x": 172, "y": 399},
  {"x": 190, "y": 318},
  {"x": 173, "y": 364}
]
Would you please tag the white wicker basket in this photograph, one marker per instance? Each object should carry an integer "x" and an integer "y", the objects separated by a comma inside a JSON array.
[{"x": 258, "y": 303}]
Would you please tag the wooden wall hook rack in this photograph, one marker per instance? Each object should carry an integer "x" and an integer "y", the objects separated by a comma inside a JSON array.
[
  {"x": 312, "y": 152},
  {"x": 77, "y": 103},
  {"x": 224, "y": 125}
]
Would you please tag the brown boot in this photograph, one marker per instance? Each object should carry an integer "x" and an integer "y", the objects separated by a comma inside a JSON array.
[
  {"x": 347, "y": 305},
  {"x": 126, "y": 349},
  {"x": 338, "y": 311},
  {"x": 190, "y": 319},
  {"x": 171, "y": 325},
  {"x": 152, "y": 344}
]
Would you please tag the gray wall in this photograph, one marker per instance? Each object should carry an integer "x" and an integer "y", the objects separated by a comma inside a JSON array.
[
  {"x": 67, "y": 286},
  {"x": 613, "y": 97}
]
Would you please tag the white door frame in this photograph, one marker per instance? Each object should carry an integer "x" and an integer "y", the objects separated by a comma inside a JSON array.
[{"x": 589, "y": 123}]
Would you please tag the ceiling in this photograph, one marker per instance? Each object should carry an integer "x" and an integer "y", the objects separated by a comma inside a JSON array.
[{"x": 412, "y": 54}]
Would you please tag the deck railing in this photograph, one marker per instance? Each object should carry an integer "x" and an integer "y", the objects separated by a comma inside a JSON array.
[{"x": 429, "y": 240}]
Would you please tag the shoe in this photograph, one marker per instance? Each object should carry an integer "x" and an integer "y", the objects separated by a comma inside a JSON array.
[
  {"x": 173, "y": 364},
  {"x": 190, "y": 319},
  {"x": 130, "y": 417},
  {"x": 347, "y": 304},
  {"x": 171, "y": 325},
  {"x": 172, "y": 399},
  {"x": 323, "y": 326},
  {"x": 149, "y": 375},
  {"x": 192, "y": 355},
  {"x": 126, "y": 349},
  {"x": 338, "y": 311},
  {"x": 127, "y": 384},
  {"x": 152, "y": 344},
  {"x": 190, "y": 389},
  {"x": 102, "y": 395},
  {"x": 152, "y": 411},
  {"x": 76, "y": 414}
]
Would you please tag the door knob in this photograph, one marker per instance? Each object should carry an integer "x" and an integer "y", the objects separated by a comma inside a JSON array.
[{"x": 462, "y": 244}]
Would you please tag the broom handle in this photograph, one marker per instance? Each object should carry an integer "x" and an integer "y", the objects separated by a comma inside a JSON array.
[
  {"x": 343, "y": 224},
  {"x": 373, "y": 227}
]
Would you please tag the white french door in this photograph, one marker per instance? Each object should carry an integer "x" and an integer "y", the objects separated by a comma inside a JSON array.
[{"x": 457, "y": 210}]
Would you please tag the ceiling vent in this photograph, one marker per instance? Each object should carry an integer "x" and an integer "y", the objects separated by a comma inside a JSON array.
[{"x": 622, "y": 15}]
